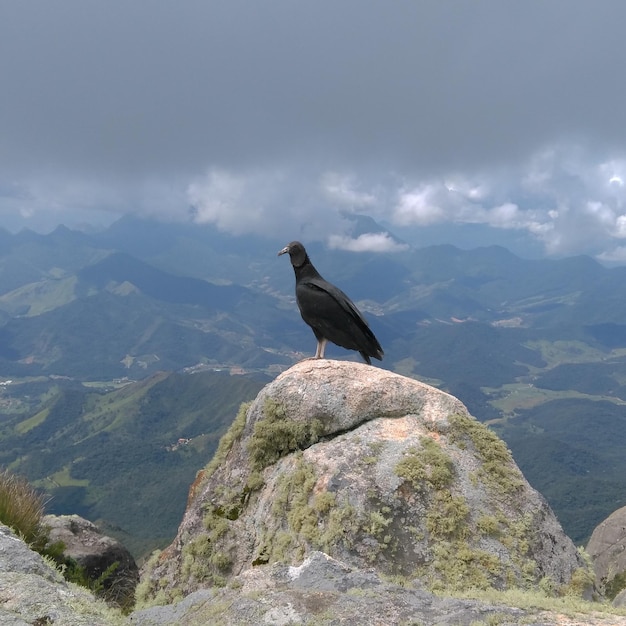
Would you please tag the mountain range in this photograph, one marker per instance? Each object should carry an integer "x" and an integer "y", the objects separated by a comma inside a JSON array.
[{"x": 535, "y": 348}]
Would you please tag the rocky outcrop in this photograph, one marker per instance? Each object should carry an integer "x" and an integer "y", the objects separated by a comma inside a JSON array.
[
  {"x": 323, "y": 591},
  {"x": 375, "y": 470},
  {"x": 32, "y": 592},
  {"x": 320, "y": 590},
  {"x": 104, "y": 560},
  {"x": 607, "y": 549}
]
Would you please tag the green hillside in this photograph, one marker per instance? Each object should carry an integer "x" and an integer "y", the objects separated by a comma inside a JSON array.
[
  {"x": 125, "y": 457},
  {"x": 572, "y": 451}
]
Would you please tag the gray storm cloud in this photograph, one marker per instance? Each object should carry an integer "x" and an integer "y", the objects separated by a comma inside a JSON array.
[{"x": 283, "y": 115}]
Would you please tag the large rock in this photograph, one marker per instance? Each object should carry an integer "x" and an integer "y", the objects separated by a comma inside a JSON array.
[
  {"x": 105, "y": 561},
  {"x": 620, "y": 599},
  {"x": 32, "y": 592},
  {"x": 607, "y": 549},
  {"x": 323, "y": 591},
  {"x": 375, "y": 470}
]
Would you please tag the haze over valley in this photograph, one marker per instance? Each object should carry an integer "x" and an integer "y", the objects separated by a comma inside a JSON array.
[{"x": 125, "y": 353}]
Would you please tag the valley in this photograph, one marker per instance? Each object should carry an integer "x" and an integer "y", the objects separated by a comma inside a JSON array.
[
  {"x": 123, "y": 358},
  {"x": 121, "y": 453}
]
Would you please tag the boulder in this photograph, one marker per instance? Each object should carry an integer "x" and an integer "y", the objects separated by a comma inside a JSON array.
[
  {"x": 32, "y": 592},
  {"x": 107, "y": 564},
  {"x": 374, "y": 469},
  {"x": 620, "y": 599},
  {"x": 607, "y": 549}
]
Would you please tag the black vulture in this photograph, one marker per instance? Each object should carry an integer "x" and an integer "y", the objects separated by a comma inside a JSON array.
[{"x": 328, "y": 311}]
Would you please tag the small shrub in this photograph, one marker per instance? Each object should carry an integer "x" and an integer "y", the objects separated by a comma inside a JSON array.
[
  {"x": 378, "y": 524},
  {"x": 254, "y": 483},
  {"x": 21, "y": 508},
  {"x": 202, "y": 562},
  {"x": 615, "y": 585},
  {"x": 324, "y": 502},
  {"x": 295, "y": 492},
  {"x": 147, "y": 589},
  {"x": 440, "y": 466},
  {"x": 581, "y": 582},
  {"x": 412, "y": 469},
  {"x": 456, "y": 565}
]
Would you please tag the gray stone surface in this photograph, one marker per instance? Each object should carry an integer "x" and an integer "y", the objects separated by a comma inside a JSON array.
[
  {"x": 17, "y": 557},
  {"x": 33, "y": 593},
  {"x": 607, "y": 548},
  {"x": 620, "y": 599},
  {"x": 322, "y": 591}
]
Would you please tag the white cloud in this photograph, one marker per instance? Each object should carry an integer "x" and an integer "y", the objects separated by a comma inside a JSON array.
[
  {"x": 223, "y": 198},
  {"x": 342, "y": 190},
  {"x": 620, "y": 227},
  {"x": 44, "y": 202},
  {"x": 425, "y": 204},
  {"x": 615, "y": 255},
  {"x": 370, "y": 242},
  {"x": 562, "y": 196},
  {"x": 277, "y": 203}
]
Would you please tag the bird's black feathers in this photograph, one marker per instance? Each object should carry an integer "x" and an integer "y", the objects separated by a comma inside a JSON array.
[{"x": 328, "y": 310}]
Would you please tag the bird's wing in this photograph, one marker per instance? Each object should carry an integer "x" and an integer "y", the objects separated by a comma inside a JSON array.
[
  {"x": 339, "y": 297},
  {"x": 332, "y": 315}
]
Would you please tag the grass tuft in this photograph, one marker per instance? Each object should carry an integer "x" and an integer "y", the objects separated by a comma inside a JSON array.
[
  {"x": 228, "y": 440},
  {"x": 22, "y": 507}
]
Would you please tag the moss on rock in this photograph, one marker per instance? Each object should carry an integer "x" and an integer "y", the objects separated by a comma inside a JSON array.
[
  {"x": 276, "y": 435},
  {"x": 426, "y": 466},
  {"x": 227, "y": 441},
  {"x": 498, "y": 471}
]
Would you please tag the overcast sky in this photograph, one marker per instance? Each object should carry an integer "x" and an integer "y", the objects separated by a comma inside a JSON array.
[{"x": 277, "y": 116}]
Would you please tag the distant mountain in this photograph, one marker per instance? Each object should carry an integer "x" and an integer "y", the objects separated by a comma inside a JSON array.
[
  {"x": 187, "y": 249},
  {"x": 509, "y": 336},
  {"x": 122, "y": 268}
]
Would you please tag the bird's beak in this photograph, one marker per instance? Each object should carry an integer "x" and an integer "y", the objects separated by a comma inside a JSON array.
[{"x": 285, "y": 250}]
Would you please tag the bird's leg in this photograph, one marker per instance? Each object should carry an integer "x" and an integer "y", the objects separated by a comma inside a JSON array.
[{"x": 321, "y": 347}]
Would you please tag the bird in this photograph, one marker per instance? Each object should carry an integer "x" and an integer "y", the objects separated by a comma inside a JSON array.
[{"x": 328, "y": 310}]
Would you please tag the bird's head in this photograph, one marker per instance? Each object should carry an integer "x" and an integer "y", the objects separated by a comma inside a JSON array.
[{"x": 296, "y": 252}]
